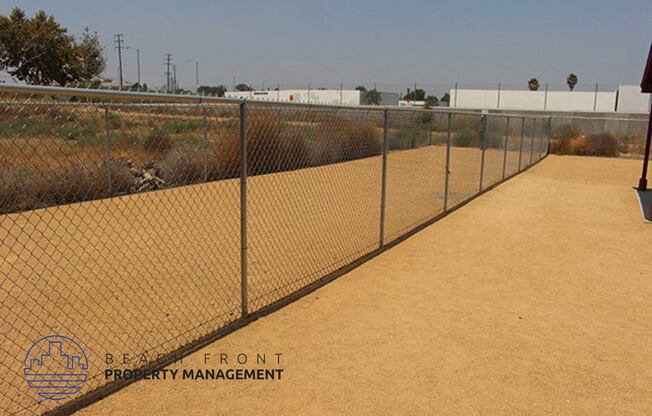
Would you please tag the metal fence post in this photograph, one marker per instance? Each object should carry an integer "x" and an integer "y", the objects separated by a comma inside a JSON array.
[
  {"x": 549, "y": 135},
  {"x": 205, "y": 144},
  {"x": 595, "y": 98},
  {"x": 534, "y": 135},
  {"x": 520, "y": 148},
  {"x": 505, "y": 150},
  {"x": 483, "y": 133},
  {"x": 541, "y": 138},
  {"x": 448, "y": 161},
  {"x": 107, "y": 151},
  {"x": 243, "y": 208},
  {"x": 498, "y": 99},
  {"x": 383, "y": 189}
]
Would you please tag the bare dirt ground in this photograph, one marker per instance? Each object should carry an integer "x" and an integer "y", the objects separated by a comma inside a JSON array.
[
  {"x": 155, "y": 271},
  {"x": 534, "y": 299}
]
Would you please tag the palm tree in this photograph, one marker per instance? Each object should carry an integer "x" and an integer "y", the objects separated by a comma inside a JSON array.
[
  {"x": 533, "y": 84},
  {"x": 571, "y": 80}
]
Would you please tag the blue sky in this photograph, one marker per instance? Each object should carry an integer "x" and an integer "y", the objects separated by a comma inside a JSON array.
[{"x": 393, "y": 43}]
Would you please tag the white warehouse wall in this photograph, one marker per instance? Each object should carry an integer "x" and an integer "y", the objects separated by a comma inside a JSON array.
[
  {"x": 632, "y": 100},
  {"x": 533, "y": 100},
  {"x": 335, "y": 97},
  {"x": 629, "y": 97}
]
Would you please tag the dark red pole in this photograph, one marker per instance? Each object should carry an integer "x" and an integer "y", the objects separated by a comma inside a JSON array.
[
  {"x": 646, "y": 87},
  {"x": 642, "y": 183}
]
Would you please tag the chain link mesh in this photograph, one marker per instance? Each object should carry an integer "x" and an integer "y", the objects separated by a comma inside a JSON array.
[
  {"x": 416, "y": 165},
  {"x": 120, "y": 220}
]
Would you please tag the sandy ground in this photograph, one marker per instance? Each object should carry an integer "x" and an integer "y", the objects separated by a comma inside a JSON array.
[
  {"x": 532, "y": 300},
  {"x": 154, "y": 271}
]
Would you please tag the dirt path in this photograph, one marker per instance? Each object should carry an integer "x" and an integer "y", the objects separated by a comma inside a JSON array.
[{"x": 534, "y": 299}]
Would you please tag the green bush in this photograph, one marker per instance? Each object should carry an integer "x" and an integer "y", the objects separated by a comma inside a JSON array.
[
  {"x": 465, "y": 138},
  {"x": 181, "y": 126},
  {"x": 494, "y": 141},
  {"x": 408, "y": 138},
  {"x": 26, "y": 126}
]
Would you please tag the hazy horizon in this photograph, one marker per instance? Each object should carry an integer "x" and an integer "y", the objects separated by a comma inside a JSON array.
[{"x": 393, "y": 44}]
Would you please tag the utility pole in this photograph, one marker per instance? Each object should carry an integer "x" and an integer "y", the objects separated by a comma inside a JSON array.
[
  {"x": 168, "y": 72},
  {"x": 119, "y": 45},
  {"x": 138, "y": 64},
  {"x": 174, "y": 79},
  {"x": 196, "y": 71}
]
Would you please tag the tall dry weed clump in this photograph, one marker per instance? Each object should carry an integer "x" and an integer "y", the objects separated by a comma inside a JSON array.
[
  {"x": 561, "y": 138},
  {"x": 567, "y": 139},
  {"x": 24, "y": 188},
  {"x": 272, "y": 146},
  {"x": 340, "y": 139}
]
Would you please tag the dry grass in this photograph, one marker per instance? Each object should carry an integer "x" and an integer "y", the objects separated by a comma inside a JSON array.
[{"x": 45, "y": 161}]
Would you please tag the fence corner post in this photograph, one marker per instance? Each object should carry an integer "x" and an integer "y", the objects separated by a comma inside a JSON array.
[
  {"x": 448, "y": 160},
  {"x": 505, "y": 150},
  {"x": 243, "y": 210},
  {"x": 483, "y": 133},
  {"x": 383, "y": 189},
  {"x": 520, "y": 148}
]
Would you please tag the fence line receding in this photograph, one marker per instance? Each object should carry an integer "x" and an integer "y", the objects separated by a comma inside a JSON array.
[{"x": 136, "y": 224}]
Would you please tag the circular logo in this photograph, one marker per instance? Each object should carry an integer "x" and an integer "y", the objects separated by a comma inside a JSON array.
[{"x": 56, "y": 367}]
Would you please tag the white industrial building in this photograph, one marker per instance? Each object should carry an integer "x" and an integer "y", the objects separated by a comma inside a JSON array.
[
  {"x": 333, "y": 97},
  {"x": 626, "y": 99}
]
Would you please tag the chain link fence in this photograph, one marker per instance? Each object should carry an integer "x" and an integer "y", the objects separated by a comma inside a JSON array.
[
  {"x": 145, "y": 224},
  {"x": 622, "y": 137}
]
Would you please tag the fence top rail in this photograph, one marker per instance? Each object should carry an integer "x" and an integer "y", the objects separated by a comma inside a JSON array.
[
  {"x": 161, "y": 98},
  {"x": 641, "y": 120}
]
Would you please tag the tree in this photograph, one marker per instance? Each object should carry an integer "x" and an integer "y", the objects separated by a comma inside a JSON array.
[
  {"x": 372, "y": 97},
  {"x": 571, "y": 80},
  {"x": 40, "y": 51},
  {"x": 446, "y": 98},
  {"x": 416, "y": 95},
  {"x": 91, "y": 56},
  {"x": 218, "y": 90},
  {"x": 243, "y": 87},
  {"x": 533, "y": 84},
  {"x": 368, "y": 97},
  {"x": 431, "y": 101}
]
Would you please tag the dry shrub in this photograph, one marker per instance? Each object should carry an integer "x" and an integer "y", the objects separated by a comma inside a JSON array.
[
  {"x": 157, "y": 141},
  {"x": 340, "y": 139},
  {"x": 562, "y": 136},
  {"x": 183, "y": 166},
  {"x": 271, "y": 147},
  {"x": 603, "y": 144},
  {"x": 23, "y": 188},
  {"x": 631, "y": 144}
]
